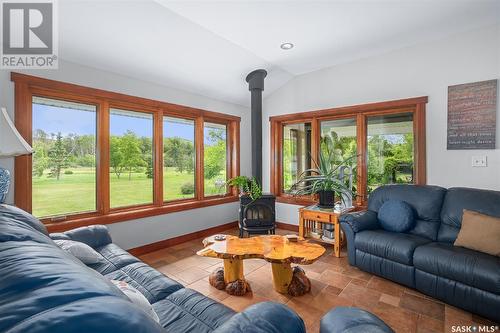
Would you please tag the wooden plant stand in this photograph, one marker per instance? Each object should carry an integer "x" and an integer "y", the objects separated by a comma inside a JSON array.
[{"x": 277, "y": 250}]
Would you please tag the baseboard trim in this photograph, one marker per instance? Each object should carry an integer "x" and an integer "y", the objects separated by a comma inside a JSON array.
[
  {"x": 287, "y": 226},
  {"x": 137, "y": 251}
]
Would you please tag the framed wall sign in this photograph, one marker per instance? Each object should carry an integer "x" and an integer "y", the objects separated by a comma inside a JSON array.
[{"x": 472, "y": 109}]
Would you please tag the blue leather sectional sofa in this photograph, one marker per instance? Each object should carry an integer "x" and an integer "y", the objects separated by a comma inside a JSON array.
[
  {"x": 44, "y": 289},
  {"x": 424, "y": 258}
]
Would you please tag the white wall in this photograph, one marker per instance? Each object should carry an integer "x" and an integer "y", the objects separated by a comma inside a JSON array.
[
  {"x": 422, "y": 70},
  {"x": 144, "y": 231}
]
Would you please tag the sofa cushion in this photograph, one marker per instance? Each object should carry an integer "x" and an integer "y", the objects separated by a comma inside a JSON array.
[
  {"x": 456, "y": 200},
  {"x": 479, "y": 232},
  {"x": 115, "y": 258},
  {"x": 150, "y": 282},
  {"x": 470, "y": 267},
  {"x": 396, "y": 216},
  {"x": 186, "y": 310},
  {"x": 393, "y": 246},
  {"x": 44, "y": 289},
  {"x": 425, "y": 200}
]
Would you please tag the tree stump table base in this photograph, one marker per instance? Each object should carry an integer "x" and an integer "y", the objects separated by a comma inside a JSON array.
[
  {"x": 239, "y": 287},
  {"x": 300, "y": 284}
]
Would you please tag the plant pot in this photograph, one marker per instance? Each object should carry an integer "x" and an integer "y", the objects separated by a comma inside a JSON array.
[{"x": 326, "y": 199}]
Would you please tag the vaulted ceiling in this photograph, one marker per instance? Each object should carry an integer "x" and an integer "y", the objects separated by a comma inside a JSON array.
[{"x": 208, "y": 47}]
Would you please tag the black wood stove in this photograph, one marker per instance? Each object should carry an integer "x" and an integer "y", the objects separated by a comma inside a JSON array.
[{"x": 257, "y": 217}]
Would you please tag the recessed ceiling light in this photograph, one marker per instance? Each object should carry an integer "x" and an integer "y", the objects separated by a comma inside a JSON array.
[{"x": 286, "y": 46}]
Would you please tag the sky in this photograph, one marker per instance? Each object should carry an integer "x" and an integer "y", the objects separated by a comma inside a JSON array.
[{"x": 53, "y": 119}]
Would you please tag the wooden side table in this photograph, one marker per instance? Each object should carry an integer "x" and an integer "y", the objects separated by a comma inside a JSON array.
[{"x": 313, "y": 219}]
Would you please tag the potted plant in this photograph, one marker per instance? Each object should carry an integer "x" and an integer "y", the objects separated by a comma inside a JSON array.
[
  {"x": 246, "y": 186},
  {"x": 325, "y": 178}
]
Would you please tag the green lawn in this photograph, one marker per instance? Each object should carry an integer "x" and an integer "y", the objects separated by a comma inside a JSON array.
[{"x": 76, "y": 192}]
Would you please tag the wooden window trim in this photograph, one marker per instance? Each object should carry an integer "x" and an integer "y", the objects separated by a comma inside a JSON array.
[
  {"x": 27, "y": 86},
  {"x": 415, "y": 105}
]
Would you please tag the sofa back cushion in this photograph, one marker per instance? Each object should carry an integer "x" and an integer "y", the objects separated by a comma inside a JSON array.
[
  {"x": 17, "y": 225},
  {"x": 21, "y": 217},
  {"x": 459, "y": 198},
  {"x": 426, "y": 201}
]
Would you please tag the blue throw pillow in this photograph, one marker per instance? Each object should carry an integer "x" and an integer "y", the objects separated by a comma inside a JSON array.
[{"x": 396, "y": 216}]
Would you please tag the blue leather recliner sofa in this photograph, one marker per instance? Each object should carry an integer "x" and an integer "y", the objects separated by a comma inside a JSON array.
[
  {"x": 424, "y": 258},
  {"x": 44, "y": 289}
]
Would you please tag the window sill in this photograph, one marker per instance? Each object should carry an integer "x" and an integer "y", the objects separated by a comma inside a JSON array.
[
  {"x": 299, "y": 200},
  {"x": 126, "y": 215},
  {"x": 308, "y": 201}
]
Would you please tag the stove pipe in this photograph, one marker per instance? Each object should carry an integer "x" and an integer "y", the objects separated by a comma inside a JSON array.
[{"x": 255, "y": 81}]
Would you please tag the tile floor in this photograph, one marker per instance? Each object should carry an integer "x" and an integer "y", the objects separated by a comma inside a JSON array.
[{"x": 334, "y": 283}]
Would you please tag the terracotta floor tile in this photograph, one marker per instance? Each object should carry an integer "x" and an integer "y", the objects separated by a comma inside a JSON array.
[
  {"x": 311, "y": 274},
  {"x": 400, "y": 320},
  {"x": 267, "y": 291},
  {"x": 201, "y": 286},
  {"x": 192, "y": 274},
  {"x": 356, "y": 273},
  {"x": 157, "y": 263},
  {"x": 385, "y": 286},
  {"x": 422, "y": 306},
  {"x": 429, "y": 325},
  {"x": 170, "y": 269},
  {"x": 362, "y": 283},
  {"x": 240, "y": 303},
  {"x": 318, "y": 267},
  {"x": 183, "y": 253},
  {"x": 361, "y": 296},
  {"x": 333, "y": 290},
  {"x": 335, "y": 279},
  {"x": 389, "y": 299}
]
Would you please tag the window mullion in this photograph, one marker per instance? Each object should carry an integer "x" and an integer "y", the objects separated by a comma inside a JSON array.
[
  {"x": 199, "y": 136},
  {"x": 361, "y": 134},
  {"x": 158, "y": 159},
  {"x": 103, "y": 158}
]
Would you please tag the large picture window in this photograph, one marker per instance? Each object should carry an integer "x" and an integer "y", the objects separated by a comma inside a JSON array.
[
  {"x": 215, "y": 159},
  {"x": 296, "y": 152},
  {"x": 179, "y": 159},
  {"x": 377, "y": 143},
  {"x": 130, "y": 158},
  {"x": 104, "y": 157},
  {"x": 390, "y": 150},
  {"x": 64, "y": 158},
  {"x": 341, "y": 135}
]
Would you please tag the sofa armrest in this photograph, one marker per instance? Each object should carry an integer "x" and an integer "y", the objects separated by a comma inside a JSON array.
[
  {"x": 265, "y": 317},
  {"x": 94, "y": 235},
  {"x": 342, "y": 319},
  {"x": 359, "y": 221},
  {"x": 352, "y": 223}
]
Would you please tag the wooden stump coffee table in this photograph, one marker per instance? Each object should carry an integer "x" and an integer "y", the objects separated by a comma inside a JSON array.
[{"x": 277, "y": 250}]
